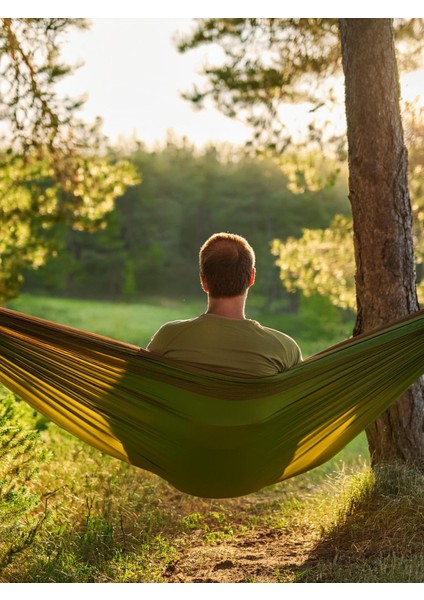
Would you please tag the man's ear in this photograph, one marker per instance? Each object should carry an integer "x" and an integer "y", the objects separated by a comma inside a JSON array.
[
  {"x": 252, "y": 277},
  {"x": 203, "y": 283}
]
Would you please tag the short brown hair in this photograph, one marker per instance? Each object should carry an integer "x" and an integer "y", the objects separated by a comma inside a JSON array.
[{"x": 226, "y": 262}]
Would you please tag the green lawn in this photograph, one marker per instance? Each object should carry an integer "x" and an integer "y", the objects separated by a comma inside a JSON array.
[{"x": 132, "y": 323}]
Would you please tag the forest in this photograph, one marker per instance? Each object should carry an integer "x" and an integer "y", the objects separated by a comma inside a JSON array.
[{"x": 148, "y": 245}]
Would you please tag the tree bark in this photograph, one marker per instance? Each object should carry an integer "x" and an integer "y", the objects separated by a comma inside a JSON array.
[{"x": 382, "y": 217}]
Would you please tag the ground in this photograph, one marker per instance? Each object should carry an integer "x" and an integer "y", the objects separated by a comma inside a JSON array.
[{"x": 266, "y": 556}]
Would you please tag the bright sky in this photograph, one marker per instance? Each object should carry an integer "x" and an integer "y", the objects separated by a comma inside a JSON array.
[{"x": 134, "y": 76}]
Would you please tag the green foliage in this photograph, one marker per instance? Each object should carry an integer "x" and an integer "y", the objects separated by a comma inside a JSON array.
[
  {"x": 53, "y": 168},
  {"x": 30, "y": 66},
  {"x": 151, "y": 241},
  {"x": 33, "y": 202},
  {"x": 309, "y": 171},
  {"x": 129, "y": 286},
  {"x": 21, "y": 459},
  {"x": 266, "y": 63},
  {"x": 322, "y": 261}
]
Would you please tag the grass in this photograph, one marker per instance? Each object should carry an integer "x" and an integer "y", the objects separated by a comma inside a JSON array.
[
  {"x": 100, "y": 520},
  {"x": 372, "y": 528},
  {"x": 132, "y": 323},
  {"x": 317, "y": 325}
]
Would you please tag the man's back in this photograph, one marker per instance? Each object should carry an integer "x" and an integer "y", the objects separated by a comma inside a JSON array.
[{"x": 239, "y": 347}]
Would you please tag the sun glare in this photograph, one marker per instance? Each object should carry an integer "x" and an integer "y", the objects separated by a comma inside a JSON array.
[{"x": 134, "y": 77}]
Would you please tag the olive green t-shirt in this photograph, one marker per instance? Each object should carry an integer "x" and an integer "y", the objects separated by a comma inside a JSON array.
[{"x": 230, "y": 346}]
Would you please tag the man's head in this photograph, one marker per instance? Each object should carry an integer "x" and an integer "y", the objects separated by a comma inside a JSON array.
[{"x": 227, "y": 265}]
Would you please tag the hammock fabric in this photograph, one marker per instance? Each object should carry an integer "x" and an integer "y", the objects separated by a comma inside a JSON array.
[{"x": 207, "y": 434}]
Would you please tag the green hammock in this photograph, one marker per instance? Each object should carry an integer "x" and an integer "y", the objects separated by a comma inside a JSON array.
[{"x": 207, "y": 434}]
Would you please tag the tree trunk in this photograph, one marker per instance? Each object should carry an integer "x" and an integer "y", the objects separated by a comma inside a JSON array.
[{"x": 382, "y": 218}]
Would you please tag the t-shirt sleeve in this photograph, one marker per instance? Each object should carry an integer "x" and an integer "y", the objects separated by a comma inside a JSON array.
[
  {"x": 289, "y": 353},
  {"x": 296, "y": 354},
  {"x": 158, "y": 343},
  {"x": 165, "y": 336}
]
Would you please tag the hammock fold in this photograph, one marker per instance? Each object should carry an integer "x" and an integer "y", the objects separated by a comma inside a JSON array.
[{"x": 208, "y": 434}]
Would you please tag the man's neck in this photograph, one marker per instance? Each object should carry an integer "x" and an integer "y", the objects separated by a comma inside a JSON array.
[{"x": 231, "y": 308}]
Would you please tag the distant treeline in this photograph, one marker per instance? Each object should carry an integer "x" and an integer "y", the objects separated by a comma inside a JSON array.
[{"x": 149, "y": 244}]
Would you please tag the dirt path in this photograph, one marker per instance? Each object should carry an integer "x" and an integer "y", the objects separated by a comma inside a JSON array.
[{"x": 263, "y": 556}]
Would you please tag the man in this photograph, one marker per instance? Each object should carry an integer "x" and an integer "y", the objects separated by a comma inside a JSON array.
[{"x": 222, "y": 339}]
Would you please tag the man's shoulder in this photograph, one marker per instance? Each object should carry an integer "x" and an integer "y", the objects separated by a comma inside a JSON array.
[
  {"x": 168, "y": 332},
  {"x": 177, "y": 324},
  {"x": 282, "y": 339},
  {"x": 269, "y": 330}
]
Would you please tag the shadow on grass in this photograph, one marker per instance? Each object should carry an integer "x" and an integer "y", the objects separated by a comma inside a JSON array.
[{"x": 378, "y": 532}]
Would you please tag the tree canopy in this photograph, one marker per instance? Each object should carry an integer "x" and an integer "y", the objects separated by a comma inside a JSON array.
[
  {"x": 268, "y": 64},
  {"x": 53, "y": 167},
  {"x": 151, "y": 239},
  {"x": 322, "y": 260}
]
